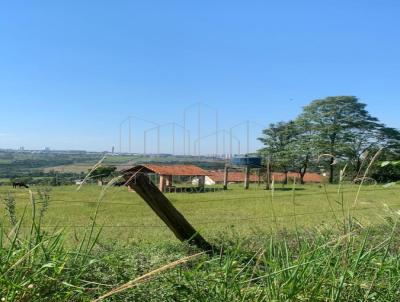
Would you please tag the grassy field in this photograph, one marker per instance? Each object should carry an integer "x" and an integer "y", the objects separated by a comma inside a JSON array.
[
  {"x": 286, "y": 245},
  {"x": 126, "y": 218}
]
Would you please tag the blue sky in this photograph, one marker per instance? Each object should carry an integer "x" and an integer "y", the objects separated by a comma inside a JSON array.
[{"x": 70, "y": 71}]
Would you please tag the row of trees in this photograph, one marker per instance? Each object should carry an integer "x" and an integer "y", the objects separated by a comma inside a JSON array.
[{"x": 338, "y": 128}]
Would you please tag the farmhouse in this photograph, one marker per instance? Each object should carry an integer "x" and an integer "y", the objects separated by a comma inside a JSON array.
[{"x": 166, "y": 173}]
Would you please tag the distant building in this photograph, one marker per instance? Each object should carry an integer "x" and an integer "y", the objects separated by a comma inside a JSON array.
[{"x": 167, "y": 172}]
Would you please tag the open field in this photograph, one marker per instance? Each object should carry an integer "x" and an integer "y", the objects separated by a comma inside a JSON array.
[
  {"x": 126, "y": 218},
  {"x": 316, "y": 255}
]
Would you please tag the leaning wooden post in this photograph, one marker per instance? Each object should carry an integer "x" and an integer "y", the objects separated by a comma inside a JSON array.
[
  {"x": 160, "y": 204},
  {"x": 226, "y": 171}
]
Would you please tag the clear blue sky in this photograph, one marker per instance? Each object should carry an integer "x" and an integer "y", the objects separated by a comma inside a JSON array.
[{"x": 70, "y": 71}]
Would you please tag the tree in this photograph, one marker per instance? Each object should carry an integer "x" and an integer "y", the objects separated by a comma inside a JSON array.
[
  {"x": 102, "y": 172},
  {"x": 366, "y": 142},
  {"x": 277, "y": 139},
  {"x": 301, "y": 148},
  {"x": 336, "y": 122}
]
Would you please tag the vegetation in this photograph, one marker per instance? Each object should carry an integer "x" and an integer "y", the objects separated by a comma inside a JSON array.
[
  {"x": 339, "y": 128},
  {"x": 126, "y": 218},
  {"x": 354, "y": 261},
  {"x": 316, "y": 242},
  {"x": 63, "y": 168}
]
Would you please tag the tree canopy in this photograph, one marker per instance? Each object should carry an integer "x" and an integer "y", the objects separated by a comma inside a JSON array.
[
  {"x": 340, "y": 127},
  {"x": 103, "y": 172}
]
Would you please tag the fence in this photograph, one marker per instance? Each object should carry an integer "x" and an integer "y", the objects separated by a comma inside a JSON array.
[{"x": 229, "y": 200}]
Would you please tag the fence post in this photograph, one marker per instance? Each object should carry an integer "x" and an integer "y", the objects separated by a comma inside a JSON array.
[
  {"x": 268, "y": 173},
  {"x": 247, "y": 178},
  {"x": 160, "y": 204},
  {"x": 226, "y": 171}
]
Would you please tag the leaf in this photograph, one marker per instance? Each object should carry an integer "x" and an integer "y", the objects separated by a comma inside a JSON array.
[{"x": 47, "y": 265}]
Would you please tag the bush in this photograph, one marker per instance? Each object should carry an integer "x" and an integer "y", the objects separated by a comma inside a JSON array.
[{"x": 386, "y": 172}]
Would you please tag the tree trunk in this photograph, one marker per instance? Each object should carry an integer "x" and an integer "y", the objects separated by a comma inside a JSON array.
[
  {"x": 302, "y": 174},
  {"x": 303, "y": 170},
  {"x": 285, "y": 180},
  {"x": 331, "y": 167},
  {"x": 357, "y": 168}
]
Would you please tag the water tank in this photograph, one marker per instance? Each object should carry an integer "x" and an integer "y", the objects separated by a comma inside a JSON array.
[{"x": 251, "y": 161}]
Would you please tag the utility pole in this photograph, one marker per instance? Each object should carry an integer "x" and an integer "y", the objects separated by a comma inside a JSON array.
[
  {"x": 173, "y": 138},
  {"x": 248, "y": 136},
  {"x": 184, "y": 132},
  {"x": 130, "y": 135},
  {"x": 230, "y": 143},
  {"x": 216, "y": 133},
  {"x": 120, "y": 138},
  {"x": 199, "y": 127},
  {"x": 189, "y": 143},
  {"x": 144, "y": 142},
  {"x": 223, "y": 144},
  {"x": 158, "y": 140}
]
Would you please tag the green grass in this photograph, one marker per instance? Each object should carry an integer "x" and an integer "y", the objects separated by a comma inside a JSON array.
[
  {"x": 128, "y": 218},
  {"x": 294, "y": 246}
]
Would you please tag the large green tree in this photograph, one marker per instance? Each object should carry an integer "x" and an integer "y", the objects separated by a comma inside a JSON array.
[
  {"x": 277, "y": 139},
  {"x": 301, "y": 149},
  {"x": 367, "y": 141},
  {"x": 342, "y": 126},
  {"x": 337, "y": 126}
]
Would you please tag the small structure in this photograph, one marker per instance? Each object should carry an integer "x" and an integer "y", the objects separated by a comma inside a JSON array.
[
  {"x": 167, "y": 172},
  {"x": 247, "y": 162}
]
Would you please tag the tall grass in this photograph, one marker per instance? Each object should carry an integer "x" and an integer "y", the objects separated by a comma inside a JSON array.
[{"x": 348, "y": 263}]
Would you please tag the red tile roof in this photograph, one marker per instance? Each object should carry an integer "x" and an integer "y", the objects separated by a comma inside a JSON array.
[
  {"x": 218, "y": 176},
  {"x": 308, "y": 177},
  {"x": 175, "y": 170}
]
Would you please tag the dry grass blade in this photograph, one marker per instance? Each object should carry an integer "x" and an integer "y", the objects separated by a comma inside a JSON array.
[
  {"x": 365, "y": 176},
  {"x": 327, "y": 155},
  {"x": 90, "y": 172},
  {"x": 147, "y": 276},
  {"x": 19, "y": 261}
]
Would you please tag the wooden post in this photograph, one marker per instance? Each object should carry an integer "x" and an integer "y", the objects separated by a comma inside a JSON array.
[
  {"x": 226, "y": 173},
  {"x": 202, "y": 181},
  {"x": 169, "y": 181},
  {"x": 247, "y": 178},
  {"x": 163, "y": 183},
  {"x": 160, "y": 204}
]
